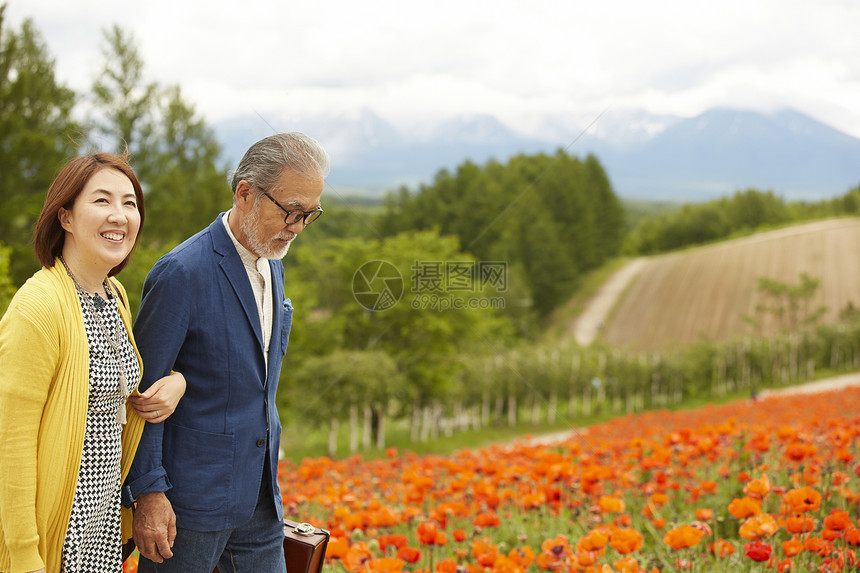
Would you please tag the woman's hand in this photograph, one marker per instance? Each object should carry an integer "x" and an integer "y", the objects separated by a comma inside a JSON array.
[{"x": 160, "y": 400}]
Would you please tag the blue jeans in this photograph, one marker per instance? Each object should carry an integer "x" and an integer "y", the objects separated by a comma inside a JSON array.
[{"x": 255, "y": 547}]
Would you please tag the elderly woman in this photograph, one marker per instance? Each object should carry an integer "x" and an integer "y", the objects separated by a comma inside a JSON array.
[{"x": 70, "y": 414}]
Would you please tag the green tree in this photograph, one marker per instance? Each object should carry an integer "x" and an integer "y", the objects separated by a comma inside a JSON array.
[
  {"x": 36, "y": 136},
  {"x": 185, "y": 188},
  {"x": 416, "y": 331},
  {"x": 174, "y": 153},
  {"x": 123, "y": 100},
  {"x": 790, "y": 305},
  {"x": 550, "y": 218}
]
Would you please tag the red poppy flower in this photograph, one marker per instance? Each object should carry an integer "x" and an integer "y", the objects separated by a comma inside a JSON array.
[{"x": 758, "y": 550}]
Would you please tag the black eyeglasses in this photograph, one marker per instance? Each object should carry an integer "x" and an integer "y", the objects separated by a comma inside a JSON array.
[{"x": 295, "y": 215}]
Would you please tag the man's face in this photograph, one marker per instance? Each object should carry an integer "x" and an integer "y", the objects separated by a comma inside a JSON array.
[{"x": 263, "y": 226}]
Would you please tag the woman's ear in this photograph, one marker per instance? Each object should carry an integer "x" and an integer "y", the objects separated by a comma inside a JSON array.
[{"x": 64, "y": 215}]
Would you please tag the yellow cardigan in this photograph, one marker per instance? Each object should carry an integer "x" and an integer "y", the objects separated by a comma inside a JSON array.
[{"x": 44, "y": 388}]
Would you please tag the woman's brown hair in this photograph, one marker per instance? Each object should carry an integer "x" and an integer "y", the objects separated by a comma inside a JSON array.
[{"x": 49, "y": 235}]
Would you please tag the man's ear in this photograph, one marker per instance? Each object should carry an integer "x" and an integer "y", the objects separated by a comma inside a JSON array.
[{"x": 244, "y": 196}]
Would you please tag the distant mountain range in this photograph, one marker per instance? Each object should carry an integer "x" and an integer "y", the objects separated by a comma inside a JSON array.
[{"x": 646, "y": 156}]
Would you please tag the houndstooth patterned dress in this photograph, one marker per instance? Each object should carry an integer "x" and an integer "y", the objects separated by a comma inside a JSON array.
[{"x": 93, "y": 540}]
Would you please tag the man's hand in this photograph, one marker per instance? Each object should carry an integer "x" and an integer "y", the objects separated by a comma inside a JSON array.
[{"x": 154, "y": 526}]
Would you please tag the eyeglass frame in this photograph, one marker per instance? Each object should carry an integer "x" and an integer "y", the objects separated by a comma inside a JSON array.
[{"x": 288, "y": 212}]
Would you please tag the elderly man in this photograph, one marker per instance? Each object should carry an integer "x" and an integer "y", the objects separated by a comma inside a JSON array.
[{"x": 205, "y": 480}]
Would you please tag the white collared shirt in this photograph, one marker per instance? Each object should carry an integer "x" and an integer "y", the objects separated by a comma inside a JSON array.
[{"x": 260, "y": 276}]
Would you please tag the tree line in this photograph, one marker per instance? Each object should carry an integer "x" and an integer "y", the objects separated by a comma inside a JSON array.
[{"x": 744, "y": 212}]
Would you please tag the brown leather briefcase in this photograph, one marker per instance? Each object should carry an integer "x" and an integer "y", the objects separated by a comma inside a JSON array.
[{"x": 304, "y": 547}]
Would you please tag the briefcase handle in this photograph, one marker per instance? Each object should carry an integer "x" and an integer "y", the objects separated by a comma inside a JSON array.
[{"x": 305, "y": 529}]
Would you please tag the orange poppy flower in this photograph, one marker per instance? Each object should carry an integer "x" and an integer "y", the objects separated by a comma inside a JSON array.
[
  {"x": 838, "y": 520},
  {"x": 626, "y": 540},
  {"x": 356, "y": 557},
  {"x": 757, "y": 488},
  {"x": 384, "y": 565},
  {"x": 800, "y": 524},
  {"x": 802, "y": 500},
  {"x": 587, "y": 558},
  {"x": 721, "y": 548},
  {"x": 459, "y": 535},
  {"x": 683, "y": 536},
  {"x": 708, "y": 486},
  {"x": 426, "y": 532},
  {"x": 704, "y": 514},
  {"x": 758, "y": 527},
  {"x": 851, "y": 536},
  {"x": 447, "y": 566},
  {"x": 395, "y": 540},
  {"x": 791, "y": 547},
  {"x": 745, "y": 507},
  {"x": 336, "y": 548},
  {"x": 627, "y": 565},
  {"x": 486, "y": 520},
  {"x": 817, "y": 545},
  {"x": 484, "y": 552},
  {"x": 408, "y": 554},
  {"x": 594, "y": 540},
  {"x": 611, "y": 504}
]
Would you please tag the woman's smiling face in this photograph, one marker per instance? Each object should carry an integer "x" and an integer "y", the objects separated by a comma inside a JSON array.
[{"x": 102, "y": 225}]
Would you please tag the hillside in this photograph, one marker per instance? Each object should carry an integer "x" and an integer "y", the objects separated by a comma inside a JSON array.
[{"x": 703, "y": 293}]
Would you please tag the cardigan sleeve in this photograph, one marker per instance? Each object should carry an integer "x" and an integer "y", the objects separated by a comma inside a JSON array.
[{"x": 29, "y": 352}]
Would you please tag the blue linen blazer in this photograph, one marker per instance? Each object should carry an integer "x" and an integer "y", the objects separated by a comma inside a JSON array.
[{"x": 198, "y": 317}]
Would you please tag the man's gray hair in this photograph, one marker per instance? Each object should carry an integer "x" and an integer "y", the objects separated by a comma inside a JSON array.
[{"x": 265, "y": 161}]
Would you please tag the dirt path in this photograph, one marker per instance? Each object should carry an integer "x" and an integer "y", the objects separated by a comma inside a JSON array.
[{"x": 588, "y": 324}]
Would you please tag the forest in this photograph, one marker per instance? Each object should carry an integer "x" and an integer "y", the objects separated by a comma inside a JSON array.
[{"x": 486, "y": 254}]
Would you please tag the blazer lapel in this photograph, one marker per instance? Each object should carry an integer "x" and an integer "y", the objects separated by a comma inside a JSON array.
[{"x": 237, "y": 276}]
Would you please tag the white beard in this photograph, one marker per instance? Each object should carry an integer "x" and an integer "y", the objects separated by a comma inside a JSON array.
[{"x": 270, "y": 250}]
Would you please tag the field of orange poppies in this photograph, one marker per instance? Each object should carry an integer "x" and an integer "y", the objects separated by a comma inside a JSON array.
[{"x": 751, "y": 485}]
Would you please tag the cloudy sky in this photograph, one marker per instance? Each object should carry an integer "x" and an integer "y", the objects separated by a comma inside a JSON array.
[{"x": 416, "y": 62}]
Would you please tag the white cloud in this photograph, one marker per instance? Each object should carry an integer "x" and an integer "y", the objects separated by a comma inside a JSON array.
[{"x": 412, "y": 62}]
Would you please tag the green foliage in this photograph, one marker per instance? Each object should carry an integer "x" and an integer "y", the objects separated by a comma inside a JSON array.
[
  {"x": 7, "y": 288},
  {"x": 422, "y": 332},
  {"x": 324, "y": 387},
  {"x": 790, "y": 305},
  {"x": 744, "y": 212},
  {"x": 123, "y": 102},
  {"x": 174, "y": 153},
  {"x": 185, "y": 189},
  {"x": 36, "y": 135},
  {"x": 550, "y": 218},
  {"x": 695, "y": 224}
]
